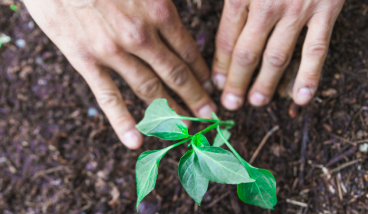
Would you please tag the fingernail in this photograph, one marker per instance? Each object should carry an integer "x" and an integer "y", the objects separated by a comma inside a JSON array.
[
  {"x": 206, "y": 112},
  {"x": 257, "y": 99},
  {"x": 304, "y": 95},
  {"x": 220, "y": 81},
  {"x": 208, "y": 86},
  {"x": 132, "y": 139},
  {"x": 232, "y": 102}
]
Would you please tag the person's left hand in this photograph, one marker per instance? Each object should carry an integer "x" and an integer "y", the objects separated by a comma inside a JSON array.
[{"x": 243, "y": 36}]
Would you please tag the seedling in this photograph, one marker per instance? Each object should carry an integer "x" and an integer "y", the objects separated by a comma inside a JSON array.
[{"x": 203, "y": 162}]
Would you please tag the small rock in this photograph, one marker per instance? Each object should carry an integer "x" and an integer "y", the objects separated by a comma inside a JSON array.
[
  {"x": 20, "y": 43},
  {"x": 31, "y": 25},
  {"x": 92, "y": 112},
  {"x": 329, "y": 92},
  {"x": 39, "y": 61},
  {"x": 42, "y": 82},
  {"x": 363, "y": 147}
]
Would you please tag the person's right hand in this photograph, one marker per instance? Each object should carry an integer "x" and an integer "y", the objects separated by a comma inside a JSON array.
[{"x": 144, "y": 41}]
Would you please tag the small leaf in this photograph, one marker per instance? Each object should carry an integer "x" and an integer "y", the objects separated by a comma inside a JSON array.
[
  {"x": 161, "y": 121},
  {"x": 146, "y": 170},
  {"x": 262, "y": 192},
  {"x": 218, "y": 139},
  {"x": 200, "y": 140},
  {"x": 219, "y": 165},
  {"x": 194, "y": 183}
]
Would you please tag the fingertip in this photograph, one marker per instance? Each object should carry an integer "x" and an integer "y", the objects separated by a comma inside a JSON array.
[
  {"x": 206, "y": 111},
  {"x": 231, "y": 101},
  {"x": 258, "y": 99},
  {"x": 219, "y": 80},
  {"x": 132, "y": 139},
  {"x": 303, "y": 95}
]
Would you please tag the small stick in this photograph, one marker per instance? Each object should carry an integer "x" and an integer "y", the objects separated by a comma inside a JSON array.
[
  {"x": 339, "y": 187},
  {"x": 218, "y": 199},
  {"x": 264, "y": 140},
  {"x": 48, "y": 171},
  {"x": 303, "y": 149},
  {"x": 345, "y": 165},
  {"x": 298, "y": 203}
]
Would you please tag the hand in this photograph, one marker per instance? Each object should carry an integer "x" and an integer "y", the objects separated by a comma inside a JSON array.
[
  {"x": 244, "y": 35},
  {"x": 144, "y": 41}
]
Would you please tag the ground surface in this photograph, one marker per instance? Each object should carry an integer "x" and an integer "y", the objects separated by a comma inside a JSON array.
[{"x": 54, "y": 158}]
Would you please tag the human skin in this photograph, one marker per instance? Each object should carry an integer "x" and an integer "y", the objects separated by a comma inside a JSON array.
[
  {"x": 146, "y": 43},
  {"x": 251, "y": 30}
]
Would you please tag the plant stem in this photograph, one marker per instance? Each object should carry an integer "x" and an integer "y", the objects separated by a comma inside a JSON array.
[
  {"x": 222, "y": 123},
  {"x": 180, "y": 142},
  {"x": 229, "y": 145}
]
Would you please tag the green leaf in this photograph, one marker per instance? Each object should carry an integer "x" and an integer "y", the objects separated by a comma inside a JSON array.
[
  {"x": 262, "y": 192},
  {"x": 218, "y": 139},
  {"x": 193, "y": 182},
  {"x": 219, "y": 165},
  {"x": 146, "y": 170},
  {"x": 161, "y": 121},
  {"x": 200, "y": 140}
]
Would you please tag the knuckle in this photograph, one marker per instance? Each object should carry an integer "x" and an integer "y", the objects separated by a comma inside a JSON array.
[
  {"x": 150, "y": 88},
  {"x": 224, "y": 43},
  {"x": 275, "y": 58},
  {"x": 137, "y": 34},
  {"x": 266, "y": 9},
  {"x": 311, "y": 76},
  {"x": 106, "y": 48},
  {"x": 179, "y": 75},
  {"x": 295, "y": 8},
  {"x": 317, "y": 49},
  {"x": 109, "y": 98},
  {"x": 163, "y": 11},
  {"x": 245, "y": 57},
  {"x": 191, "y": 54}
]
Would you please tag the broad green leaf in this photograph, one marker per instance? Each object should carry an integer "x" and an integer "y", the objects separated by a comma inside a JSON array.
[
  {"x": 146, "y": 170},
  {"x": 170, "y": 130},
  {"x": 194, "y": 183},
  {"x": 161, "y": 121},
  {"x": 219, "y": 165},
  {"x": 218, "y": 139},
  {"x": 262, "y": 192}
]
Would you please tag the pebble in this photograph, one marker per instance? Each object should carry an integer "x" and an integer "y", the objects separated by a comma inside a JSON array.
[
  {"x": 363, "y": 147},
  {"x": 92, "y": 112},
  {"x": 20, "y": 43},
  {"x": 31, "y": 25},
  {"x": 39, "y": 61},
  {"x": 3, "y": 159}
]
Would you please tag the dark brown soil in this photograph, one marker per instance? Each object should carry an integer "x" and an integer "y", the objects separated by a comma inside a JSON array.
[{"x": 54, "y": 158}]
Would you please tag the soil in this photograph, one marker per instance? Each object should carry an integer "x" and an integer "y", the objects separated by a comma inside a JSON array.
[{"x": 56, "y": 158}]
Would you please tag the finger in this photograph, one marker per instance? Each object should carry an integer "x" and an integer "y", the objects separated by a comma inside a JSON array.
[
  {"x": 246, "y": 56},
  {"x": 276, "y": 57},
  {"x": 314, "y": 53},
  {"x": 145, "y": 84},
  {"x": 111, "y": 102},
  {"x": 232, "y": 22},
  {"x": 177, "y": 75},
  {"x": 179, "y": 40}
]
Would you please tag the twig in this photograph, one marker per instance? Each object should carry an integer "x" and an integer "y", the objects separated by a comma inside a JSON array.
[
  {"x": 339, "y": 188},
  {"x": 345, "y": 165},
  {"x": 341, "y": 156},
  {"x": 298, "y": 203},
  {"x": 264, "y": 140},
  {"x": 48, "y": 171},
  {"x": 305, "y": 140},
  {"x": 218, "y": 199}
]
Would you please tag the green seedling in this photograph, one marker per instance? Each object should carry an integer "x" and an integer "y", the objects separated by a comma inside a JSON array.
[{"x": 203, "y": 162}]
